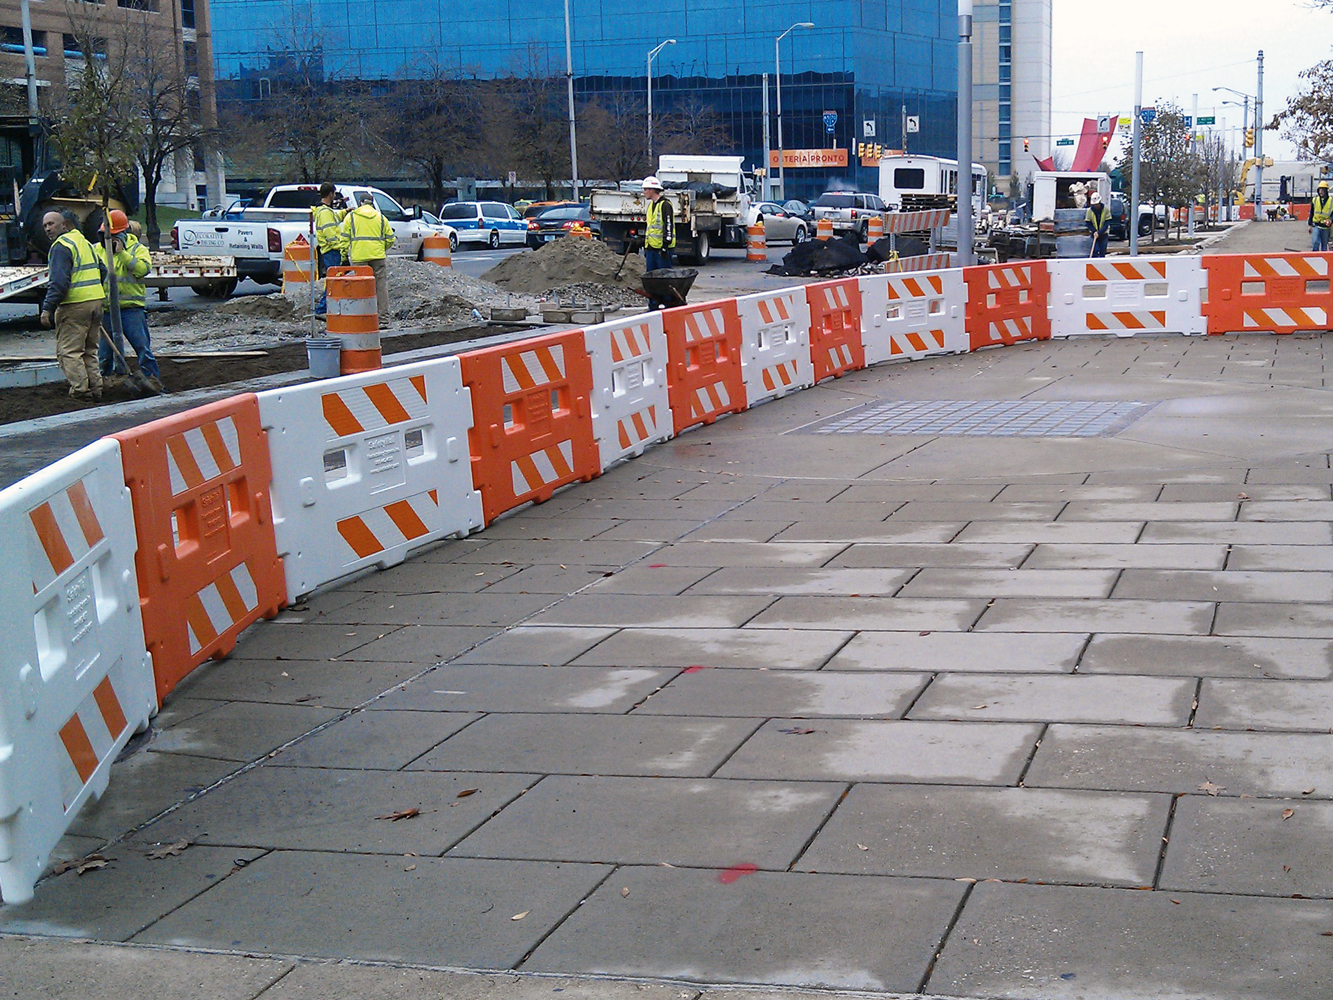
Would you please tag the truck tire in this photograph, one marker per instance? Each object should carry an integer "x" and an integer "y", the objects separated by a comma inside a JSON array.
[
  {"x": 864, "y": 235},
  {"x": 702, "y": 249},
  {"x": 220, "y": 288}
]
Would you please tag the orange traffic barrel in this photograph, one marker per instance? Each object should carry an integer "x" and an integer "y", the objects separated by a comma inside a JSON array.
[
  {"x": 296, "y": 262},
  {"x": 824, "y": 229},
  {"x": 579, "y": 231},
  {"x": 756, "y": 246},
  {"x": 435, "y": 250},
  {"x": 354, "y": 318},
  {"x": 875, "y": 229}
]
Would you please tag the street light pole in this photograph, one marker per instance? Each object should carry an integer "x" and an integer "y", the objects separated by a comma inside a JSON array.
[
  {"x": 651, "y": 56},
  {"x": 1259, "y": 144},
  {"x": 1137, "y": 126},
  {"x": 777, "y": 66},
  {"x": 29, "y": 66},
  {"x": 569, "y": 80},
  {"x": 966, "y": 257},
  {"x": 1245, "y": 120}
]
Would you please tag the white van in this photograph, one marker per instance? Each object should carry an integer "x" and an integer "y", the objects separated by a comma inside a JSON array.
[{"x": 901, "y": 176}]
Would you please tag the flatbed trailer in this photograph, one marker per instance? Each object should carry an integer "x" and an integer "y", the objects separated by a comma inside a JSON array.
[{"x": 206, "y": 275}]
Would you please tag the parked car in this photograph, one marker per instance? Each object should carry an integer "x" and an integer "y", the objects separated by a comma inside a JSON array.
[
  {"x": 779, "y": 224},
  {"x": 799, "y": 209},
  {"x": 434, "y": 222},
  {"x": 536, "y": 208},
  {"x": 556, "y": 222},
  {"x": 849, "y": 211},
  {"x": 1119, "y": 212},
  {"x": 490, "y": 223}
]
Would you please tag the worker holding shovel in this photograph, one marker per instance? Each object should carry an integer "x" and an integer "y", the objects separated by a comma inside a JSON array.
[
  {"x": 133, "y": 262},
  {"x": 73, "y": 304}
]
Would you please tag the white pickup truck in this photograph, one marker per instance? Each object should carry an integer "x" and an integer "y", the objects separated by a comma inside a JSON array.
[
  {"x": 710, "y": 202},
  {"x": 256, "y": 236}
]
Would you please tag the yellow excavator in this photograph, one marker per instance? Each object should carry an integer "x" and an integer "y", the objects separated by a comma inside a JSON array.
[{"x": 1238, "y": 196}]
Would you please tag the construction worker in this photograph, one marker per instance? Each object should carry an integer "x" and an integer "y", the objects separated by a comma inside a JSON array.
[
  {"x": 369, "y": 237},
  {"x": 1321, "y": 215},
  {"x": 1098, "y": 221},
  {"x": 133, "y": 262},
  {"x": 329, "y": 214},
  {"x": 659, "y": 237},
  {"x": 73, "y": 303}
]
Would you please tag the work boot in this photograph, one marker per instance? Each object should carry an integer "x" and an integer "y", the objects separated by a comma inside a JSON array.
[
  {"x": 156, "y": 384},
  {"x": 82, "y": 395}
]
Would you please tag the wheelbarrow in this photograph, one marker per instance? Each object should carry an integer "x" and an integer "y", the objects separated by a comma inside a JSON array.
[{"x": 669, "y": 285}]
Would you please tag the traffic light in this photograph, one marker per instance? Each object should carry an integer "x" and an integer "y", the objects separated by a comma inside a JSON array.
[
  {"x": 1027, "y": 147},
  {"x": 860, "y": 150},
  {"x": 1106, "y": 142},
  {"x": 879, "y": 151},
  {"x": 1249, "y": 137}
]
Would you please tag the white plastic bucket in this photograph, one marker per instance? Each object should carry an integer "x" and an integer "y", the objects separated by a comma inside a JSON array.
[{"x": 322, "y": 354}]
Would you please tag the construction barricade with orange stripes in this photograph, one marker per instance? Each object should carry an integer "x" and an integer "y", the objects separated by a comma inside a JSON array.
[
  {"x": 75, "y": 678},
  {"x": 904, "y": 317},
  {"x": 775, "y": 338},
  {"x": 835, "y": 327},
  {"x": 367, "y": 468},
  {"x": 1124, "y": 296},
  {"x": 630, "y": 406},
  {"x": 1268, "y": 292},
  {"x": 704, "y": 362},
  {"x": 532, "y": 426},
  {"x": 1007, "y": 303},
  {"x": 207, "y": 562}
]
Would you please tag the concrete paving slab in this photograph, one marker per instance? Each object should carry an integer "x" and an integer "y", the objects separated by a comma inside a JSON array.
[
  {"x": 622, "y": 509},
  {"x": 793, "y": 649},
  {"x": 450, "y": 912},
  {"x": 1070, "y": 492},
  {"x": 670, "y": 531},
  {"x": 375, "y": 740},
  {"x": 1115, "y": 615},
  {"x": 1287, "y": 510},
  {"x": 765, "y": 509},
  {"x": 318, "y": 683},
  {"x": 1150, "y": 760},
  {"x": 1231, "y": 585},
  {"x": 321, "y": 809},
  {"x": 870, "y": 613},
  {"x": 1281, "y": 557},
  {"x": 312, "y": 607},
  {"x": 555, "y": 581},
  {"x": 1120, "y": 700},
  {"x": 179, "y": 709},
  {"x": 142, "y": 785},
  {"x": 1265, "y": 705},
  {"x": 591, "y": 744},
  {"x": 536, "y": 645},
  {"x": 1292, "y": 620},
  {"x": 116, "y": 902},
  {"x": 1092, "y": 555},
  {"x": 832, "y": 931},
  {"x": 860, "y": 491},
  {"x": 971, "y": 510},
  {"x": 421, "y": 644},
  {"x": 650, "y": 578},
  {"x": 1033, "y": 942},
  {"x": 1317, "y": 475},
  {"x": 550, "y": 529},
  {"x": 325, "y": 981},
  {"x": 978, "y": 582},
  {"x": 734, "y": 491},
  {"x": 1120, "y": 477},
  {"x": 830, "y": 530},
  {"x": 617, "y": 610},
  {"x": 797, "y": 580},
  {"x": 713, "y": 554},
  {"x": 59, "y": 970},
  {"x": 522, "y": 552},
  {"x": 961, "y": 651},
  {"x": 931, "y": 554},
  {"x": 1241, "y": 532},
  {"x": 416, "y": 576},
  {"x": 1006, "y": 833},
  {"x": 1208, "y": 656},
  {"x": 295, "y": 641},
  {"x": 241, "y": 731},
  {"x": 724, "y": 530},
  {"x": 440, "y": 609},
  {"x": 475, "y": 687},
  {"x": 1126, "y": 510},
  {"x": 1101, "y": 532},
  {"x": 1246, "y": 846},
  {"x": 928, "y": 752},
  {"x": 787, "y": 693},
  {"x": 1197, "y": 492},
  {"x": 641, "y": 821}
]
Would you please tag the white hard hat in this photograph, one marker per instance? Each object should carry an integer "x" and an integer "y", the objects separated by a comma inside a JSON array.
[
  {"x": 1096, "y": 197},
  {"x": 652, "y": 183}
]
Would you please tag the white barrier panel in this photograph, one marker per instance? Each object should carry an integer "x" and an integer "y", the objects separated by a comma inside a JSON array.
[
  {"x": 775, "y": 344},
  {"x": 76, "y": 680},
  {"x": 1127, "y": 295},
  {"x": 630, "y": 406},
  {"x": 367, "y": 468},
  {"x": 904, "y": 317},
  {"x": 920, "y": 262}
]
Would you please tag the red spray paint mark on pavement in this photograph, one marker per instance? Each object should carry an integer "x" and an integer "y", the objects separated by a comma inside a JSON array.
[
  {"x": 695, "y": 669},
  {"x": 657, "y": 565},
  {"x": 729, "y": 875}
]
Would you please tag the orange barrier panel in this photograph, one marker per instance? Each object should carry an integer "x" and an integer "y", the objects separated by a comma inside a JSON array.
[
  {"x": 207, "y": 561},
  {"x": 436, "y": 250},
  {"x": 835, "y": 328},
  {"x": 1271, "y": 292},
  {"x": 704, "y": 378},
  {"x": 532, "y": 426},
  {"x": 354, "y": 318},
  {"x": 1007, "y": 303},
  {"x": 756, "y": 245}
]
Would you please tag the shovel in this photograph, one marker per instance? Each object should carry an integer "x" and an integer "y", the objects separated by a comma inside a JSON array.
[
  {"x": 135, "y": 377},
  {"x": 629, "y": 246}
]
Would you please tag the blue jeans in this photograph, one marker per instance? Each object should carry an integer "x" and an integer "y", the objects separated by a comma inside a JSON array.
[
  {"x": 134, "y": 322},
  {"x": 1319, "y": 239},
  {"x": 1099, "y": 244},
  {"x": 327, "y": 259}
]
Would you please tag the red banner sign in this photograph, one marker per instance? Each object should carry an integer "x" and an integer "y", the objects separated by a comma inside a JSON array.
[{"x": 809, "y": 158}]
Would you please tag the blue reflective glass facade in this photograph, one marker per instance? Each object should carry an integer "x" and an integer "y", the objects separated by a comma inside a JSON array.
[{"x": 865, "y": 59}]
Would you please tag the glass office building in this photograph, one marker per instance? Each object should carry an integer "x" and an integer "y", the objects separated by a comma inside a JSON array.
[{"x": 863, "y": 62}]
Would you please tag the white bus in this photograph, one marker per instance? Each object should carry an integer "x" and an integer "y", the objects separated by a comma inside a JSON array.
[{"x": 926, "y": 175}]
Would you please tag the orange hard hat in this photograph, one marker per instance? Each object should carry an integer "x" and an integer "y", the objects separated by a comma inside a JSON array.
[{"x": 119, "y": 222}]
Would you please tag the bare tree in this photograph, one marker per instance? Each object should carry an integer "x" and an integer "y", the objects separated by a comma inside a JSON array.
[
  {"x": 1307, "y": 120},
  {"x": 694, "y": 127},
  {"x": 613, "y": 132},
  {"x": 430, "y": 122},
  {"x": 528, "y": 111},
  {"x": 1169, "y": 174}
]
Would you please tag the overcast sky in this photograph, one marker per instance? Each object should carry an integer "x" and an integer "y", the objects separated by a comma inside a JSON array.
[{"x": 1189, "y": 47}]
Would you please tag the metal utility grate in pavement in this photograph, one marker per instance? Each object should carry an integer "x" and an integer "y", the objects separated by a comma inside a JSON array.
[{"x": 985, "y": 418}]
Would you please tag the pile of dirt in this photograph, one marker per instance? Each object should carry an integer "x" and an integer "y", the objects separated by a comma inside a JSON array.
[{"x": 564, "y": 262}]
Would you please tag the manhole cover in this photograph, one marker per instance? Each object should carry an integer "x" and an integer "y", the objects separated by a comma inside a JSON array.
[{"x": 985, "y": 418}]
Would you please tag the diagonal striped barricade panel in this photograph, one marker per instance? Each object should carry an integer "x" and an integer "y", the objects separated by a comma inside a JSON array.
[
  {"x": 775, "y": 338},
  {"x": 1268, "y": 293},
  {"x": 835, "y": 327},
  {"x": 905, "y": 317},
  {"x": 1124, "y": 297},
  {"x": 920, "y": 262},
  {"x": 1007, "y": 303},
  {"x": 76, "y": 681},
  {"x": 367, "y": 468},
  {"x": 631, "y": 409},
  {"x": 704, "y": 378},
  {"x": 207, "y": 563},
  {"x": 532, "y": 421}
]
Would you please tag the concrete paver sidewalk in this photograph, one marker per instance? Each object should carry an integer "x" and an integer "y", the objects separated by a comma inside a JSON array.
[{"x": 971, "y": 716}]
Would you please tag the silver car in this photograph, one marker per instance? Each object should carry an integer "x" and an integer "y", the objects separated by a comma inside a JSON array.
[{"x": 779, "y": 224}]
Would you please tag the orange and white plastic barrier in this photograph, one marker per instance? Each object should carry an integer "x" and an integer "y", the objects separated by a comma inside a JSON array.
[
  {"x": 1007, "y": 303},
  {"x": 1268, "y": 293},
  {"x": 919, "y": 262},
  {"x": 1124, "y": 296},
  {"x": 75, "y": 678},
  {"x": 296, "y": 267},
  {"x": 436, "y": 250},
  {"x": 367, "y": 468},
  {"x": 775, "y": 337},
  {"x": 631, "y": 408},
  {"x": 875, "y": 229},
  {"x": 905, "y": 317},
  {"x": 756, "y": 243},
  {"x": 704, "y": 363},
  {"x": 835, "y": 328},
  {"x": 354, "y": 318},
  {"x": 823, "y": 229}
]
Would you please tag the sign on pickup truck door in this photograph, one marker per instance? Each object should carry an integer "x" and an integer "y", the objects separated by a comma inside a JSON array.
[{"x": 233, "y": 239}]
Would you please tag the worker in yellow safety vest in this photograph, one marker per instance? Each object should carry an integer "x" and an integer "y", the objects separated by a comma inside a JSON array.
[
  {"x": 1321, "y": 215},
  {"x": 329, "y": 214},
  {"x": 133, "y": 262},
  {"x": 1098, "y": 221},
  {"x": 73, "y": 303},
  {"x": 369, "y": 237},
  {"x": 659, "y": 237}
]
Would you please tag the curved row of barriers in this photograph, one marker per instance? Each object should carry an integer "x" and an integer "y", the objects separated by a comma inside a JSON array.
[{"x": 143, "y": 555}]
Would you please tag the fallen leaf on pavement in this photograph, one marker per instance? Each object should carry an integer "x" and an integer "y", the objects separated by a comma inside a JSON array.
[
  {"x": 169, "y": 850},
  {"x": 466, "y": 792},
  {"x": 1176, "y": 901},
  {"x": 90, "y": 864},
  {"x": 410, "y": 868},
  {"x": 863, "y": 847},
  {"x": 1288, "y": 813},
  {"x": 977, "y": 708},
  {"x": 969, "y": 881},
  {"x": 923, "y": 633},
  {"x": 400, "y": 814},
  {"x": 1212, "y": 789},
  {"x": 624, "y": 890},
  {"x": 1308, "y": 791},
  {"x": 520, "y": 916},
  {"x": 796, "y": 731}
]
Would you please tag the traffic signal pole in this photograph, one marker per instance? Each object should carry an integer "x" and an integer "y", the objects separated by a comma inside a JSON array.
[
  {"x": 966, "y": 256},
  {"x": 1259, "y": 144},
  {"x": 1134, "y": 173}
]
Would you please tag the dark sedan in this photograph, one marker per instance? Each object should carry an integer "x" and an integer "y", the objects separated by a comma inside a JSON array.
[{"x": 557, "y": 222}]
